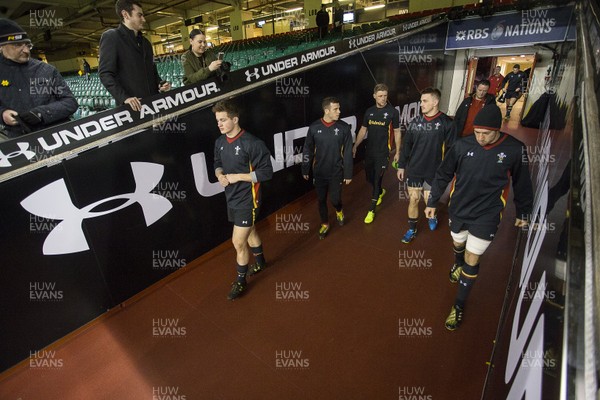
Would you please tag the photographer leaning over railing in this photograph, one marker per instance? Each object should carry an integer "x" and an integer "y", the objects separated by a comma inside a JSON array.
[{"x": 200, "y": 62}]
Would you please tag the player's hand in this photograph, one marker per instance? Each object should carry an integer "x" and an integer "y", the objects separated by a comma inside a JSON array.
[
  {"x": 353, "y": 151},
  {"x": 305, "y": 177},
  {"x": 347, "y": 181},
  {"x": 134, "y": 103},
  {"x": 429, "y": 212},
  {"x": 521, "y": 223},
  {"x": 8, "y": 116},
  {"x": 223, "y": 180},
  {"x": 400, "y": 174},
  {"x": 232, "y": 178},
  {"x": 396, "y": 157},
  {"x": 517, "y": 89}
]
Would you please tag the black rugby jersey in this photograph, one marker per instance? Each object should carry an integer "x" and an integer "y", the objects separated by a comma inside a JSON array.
[
  {"x": 424, "y": 144},
  {"x": 482, "y": 176},
  {"x": 243, "y": 154},
  {"x": 380, "y": 124},
  {"x": 328, "y": 149},
  {"x": 514, "y": 81}
]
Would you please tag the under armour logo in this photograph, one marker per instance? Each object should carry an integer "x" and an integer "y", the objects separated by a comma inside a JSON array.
[
  {"x": 23, "y": 150},
  {"x": 336, "y": 130},
  {"x": 319, "y": 131},
  {"x": 352, "y": 43},
  {"x": 470, "y": 154},
  {"x": 245, "y": 222},
  {"x": 254, "y": 75},
  {"x": 53, "y": 201},
  {"x": 237, "y": 150}
]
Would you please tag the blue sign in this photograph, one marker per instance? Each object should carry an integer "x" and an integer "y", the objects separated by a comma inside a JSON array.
[{"x": 516, "y": 28}]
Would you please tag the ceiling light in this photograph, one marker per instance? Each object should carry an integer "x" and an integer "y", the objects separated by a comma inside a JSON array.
[
  {"x": 212, "y": 28},
  {"x": 294, "y": 9},
  {"x": 375, "y": 7}
]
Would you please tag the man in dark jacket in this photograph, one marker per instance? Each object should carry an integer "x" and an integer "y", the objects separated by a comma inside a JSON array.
[
  {"x": 126, "y": 65},
  {"x": 468, "y": 109},
  {"x": 322, "y": 21},
  {"x": 33, "y": 94}
]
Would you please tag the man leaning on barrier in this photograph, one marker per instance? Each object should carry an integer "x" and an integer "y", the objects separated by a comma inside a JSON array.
[
  {"x": 33, "y": 94},
  {"x": 126, "y": 66}
]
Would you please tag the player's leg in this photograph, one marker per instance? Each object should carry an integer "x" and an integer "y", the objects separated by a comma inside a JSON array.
[
  {"x": 376, "y": 171},
  {"x": 459, "y": 240},
  {"x": 239, "y": 239},
  {"x": 474, "y": 248},
  {"x": 510, "y": 102},
  {"x": 335, "y": 196},
  {"x": 257, "y": 249},
  {"x": 415, "y": 190},
  {"x": 432, "y": 222},
  {"x": 321, "y": 187}
]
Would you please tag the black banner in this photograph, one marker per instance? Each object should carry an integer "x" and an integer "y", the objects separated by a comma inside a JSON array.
[{"x": 54, "y": 144}]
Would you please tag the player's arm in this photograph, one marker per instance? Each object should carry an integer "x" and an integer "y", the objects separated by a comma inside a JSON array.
[
  {"x": 260, "y": 160},
  {"x": 218, "y": 163},
  {"x": 308, "y": 153},
  {"x": 405, "y": 150},
  {"x": 521, "y": 181},
  {"x": 397, "y": 134},
  {"x": 443, "y": 175},
  {"x": 359, "y": 138},
  {"x": 347, "y": 153}
]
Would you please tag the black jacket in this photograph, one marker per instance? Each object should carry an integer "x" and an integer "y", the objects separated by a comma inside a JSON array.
[
  {"x": 126, "y": 65},
  {"x": 34, "y": 86},
  {"x": 460, "y": 118}
]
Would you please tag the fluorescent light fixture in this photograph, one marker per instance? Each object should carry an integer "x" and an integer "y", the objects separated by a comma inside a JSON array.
[
  {"x": 212, "y": 28},
  {"x": 375, "y": 7},
  {"x": 294, "y": 9},
  {"x": 522, "y": 56}
]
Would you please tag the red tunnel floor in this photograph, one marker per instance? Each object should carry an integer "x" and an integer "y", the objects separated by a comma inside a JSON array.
[{"x": 358, "y": 315}]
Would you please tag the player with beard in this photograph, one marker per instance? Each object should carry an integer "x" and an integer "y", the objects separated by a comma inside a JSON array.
[{"x": 481, "y": 167}]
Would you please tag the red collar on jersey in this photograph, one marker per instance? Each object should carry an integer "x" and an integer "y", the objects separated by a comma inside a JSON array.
[
  {"x": 233, "y": 139},
  {"x": 502, "y": 138},
  {"x": 327, "y": 124},
  {"x": 432, "y": 118}
]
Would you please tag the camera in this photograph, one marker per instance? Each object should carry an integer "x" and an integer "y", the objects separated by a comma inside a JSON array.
[{"x": 223, "y": 71}]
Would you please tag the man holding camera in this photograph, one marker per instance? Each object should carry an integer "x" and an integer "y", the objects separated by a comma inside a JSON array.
[
  {"x": 126, "y": 66},
  {"x": 199, "y": 62}
]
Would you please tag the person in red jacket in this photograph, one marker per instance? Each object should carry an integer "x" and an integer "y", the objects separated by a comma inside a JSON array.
[{"x": 495, "y": 80}]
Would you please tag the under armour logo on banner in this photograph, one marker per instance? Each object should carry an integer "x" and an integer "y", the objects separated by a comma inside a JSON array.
[
  {"x": 53, "y": 201},
  {"x": 23, "y": 150},
  {"x": 254, "y": 75}
]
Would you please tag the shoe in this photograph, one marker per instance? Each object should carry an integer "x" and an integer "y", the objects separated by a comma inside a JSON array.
[
  {"x": 432, "y": 223},
  {"x": 409, "y": 236},
  {"x": 370, "y": 217},
  {"x": 379, "y": 200},
  {"x": 455, "y": 271},
  {"x": 237, "y": 288},
  {"x": 454, "y": 318},
  {"x": 395, "y": 165},
  {"x": 323, "y": 231},
  {"x": 256, "y": 268},
  {"x": 339, "y": 215}
]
